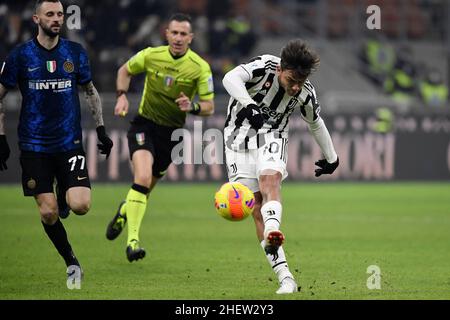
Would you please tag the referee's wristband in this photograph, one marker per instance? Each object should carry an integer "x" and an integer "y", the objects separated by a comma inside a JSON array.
[{"x": 196, "y": 109}]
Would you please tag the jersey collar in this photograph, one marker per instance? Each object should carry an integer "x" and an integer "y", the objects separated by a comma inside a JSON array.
[
  {"x": 177, "y": 57},
  {"x": 44, "y": 48}
]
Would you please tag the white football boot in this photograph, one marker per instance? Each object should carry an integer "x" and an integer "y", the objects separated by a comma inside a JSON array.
[{"x": 287, "y": 285}]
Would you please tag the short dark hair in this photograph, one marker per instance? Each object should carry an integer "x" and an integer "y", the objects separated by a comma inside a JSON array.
[
  {"x": 40, "y": 2},
  {"x": 180, "y": 17},
  {"x": 299, "y": 58}
]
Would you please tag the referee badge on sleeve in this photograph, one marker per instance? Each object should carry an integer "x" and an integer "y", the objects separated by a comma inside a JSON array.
[
  {"x": 210, "y": 84},
  {"x": 140, "y": 138}
]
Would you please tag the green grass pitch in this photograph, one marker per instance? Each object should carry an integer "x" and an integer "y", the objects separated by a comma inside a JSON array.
[{"x": 334, "y": 231}]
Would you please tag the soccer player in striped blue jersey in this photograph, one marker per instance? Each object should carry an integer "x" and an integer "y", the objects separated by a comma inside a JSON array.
[
  {"x": 47, "y": 70},
  {"x": 264, "y": 93}
]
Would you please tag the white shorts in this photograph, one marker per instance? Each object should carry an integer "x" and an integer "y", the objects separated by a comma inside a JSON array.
[{"x": 246, "y": 166}]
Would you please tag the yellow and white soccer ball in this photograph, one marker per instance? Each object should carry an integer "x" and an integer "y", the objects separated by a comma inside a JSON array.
[{"x": 234, "y": 201}]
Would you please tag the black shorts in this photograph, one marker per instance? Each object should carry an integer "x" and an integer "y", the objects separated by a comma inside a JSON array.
[
  {"x": 144, "y": 134},
  {"x": 39, "y": 171}
]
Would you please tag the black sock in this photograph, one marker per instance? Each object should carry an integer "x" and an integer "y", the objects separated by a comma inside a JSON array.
[{"x": 58, "y": 236}]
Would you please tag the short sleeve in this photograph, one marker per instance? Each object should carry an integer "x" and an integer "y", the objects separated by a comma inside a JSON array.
[
  {"x": 136, "y": 64},
  {"x": 9, "y": 71},
  {"x": 205, "y": 84},
  {"x": 84, "y": 74}
]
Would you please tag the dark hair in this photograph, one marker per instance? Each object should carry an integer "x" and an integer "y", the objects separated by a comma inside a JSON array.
[
  {"x": 299, "y": 58},
  {"x": 180, "y": 17},
  {"x": 40, "y": 2}
]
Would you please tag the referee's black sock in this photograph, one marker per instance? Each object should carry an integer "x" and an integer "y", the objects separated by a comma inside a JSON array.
[{"x": 58, "y": 236}]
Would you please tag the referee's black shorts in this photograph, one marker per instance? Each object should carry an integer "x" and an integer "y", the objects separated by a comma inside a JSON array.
[{"x": 145, "y": 134}]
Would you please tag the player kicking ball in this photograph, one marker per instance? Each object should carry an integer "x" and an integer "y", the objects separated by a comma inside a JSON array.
[
  {"x": 264, "y": 93},
  {"x": 48, "y": 70}
]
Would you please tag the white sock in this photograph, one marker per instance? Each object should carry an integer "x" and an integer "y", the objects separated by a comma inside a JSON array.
[
  {"x": 279, "y": 264},
  {"x": 271, "y": 213}
]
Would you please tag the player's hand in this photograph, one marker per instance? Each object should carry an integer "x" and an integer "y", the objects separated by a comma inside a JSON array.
[
  {"x": 122, "y": 104},
  {"x": 4, "y": 152},
  {"x": 106, "y": 143},
  {"x": 254, "y": 116},
  {"x": 184, "y": 103},
  {"x": 326, "y": 167}
]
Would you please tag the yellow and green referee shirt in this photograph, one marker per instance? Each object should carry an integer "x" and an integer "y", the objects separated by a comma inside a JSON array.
[{"x": 166, "y": 78}]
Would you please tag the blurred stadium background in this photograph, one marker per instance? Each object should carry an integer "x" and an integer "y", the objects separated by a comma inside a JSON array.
[
  {"x": 384, "y": 98},
  {"x": 384, "y": 93}
]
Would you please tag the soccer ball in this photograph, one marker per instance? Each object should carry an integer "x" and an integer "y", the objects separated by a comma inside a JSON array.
[{"x": 234, "y": 201}]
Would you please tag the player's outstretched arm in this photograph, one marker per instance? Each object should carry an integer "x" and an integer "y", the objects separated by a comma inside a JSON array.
[
  {"x": 323, "y": 139},
  {"x": 122, "y": 85},
  {"x": 95, "y": 105},
  {"x": 4, "y": 147}
]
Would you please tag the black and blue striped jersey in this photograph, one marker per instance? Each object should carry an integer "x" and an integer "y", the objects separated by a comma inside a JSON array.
[{"x": 47, "y": 79}]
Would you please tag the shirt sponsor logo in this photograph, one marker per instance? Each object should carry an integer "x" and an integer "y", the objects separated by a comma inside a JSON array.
[
  {"x": 51, "y": 66},
  {"x": 58, "y": 85}
]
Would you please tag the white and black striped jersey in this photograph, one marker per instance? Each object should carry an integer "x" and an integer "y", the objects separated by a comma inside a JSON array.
[{"x": 276, "y": 105}]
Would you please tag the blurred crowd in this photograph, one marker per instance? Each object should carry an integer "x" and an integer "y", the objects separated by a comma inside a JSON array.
[
  {"x": 112, "y": 31},
  {"x": 400, "y": 19},
  {"x": 228, "y": 31},
  {"x": 398, "y": 72}
]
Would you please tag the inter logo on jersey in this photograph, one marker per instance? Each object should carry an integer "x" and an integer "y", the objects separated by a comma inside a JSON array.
[
  {"x": 51, "y": 66},
  {"x": 68, "y": 67}
]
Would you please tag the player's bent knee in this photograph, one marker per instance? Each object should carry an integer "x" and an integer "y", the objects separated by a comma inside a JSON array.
[
  {"x": 49, "y": 217},
  {"x": 81, "y": 208}
]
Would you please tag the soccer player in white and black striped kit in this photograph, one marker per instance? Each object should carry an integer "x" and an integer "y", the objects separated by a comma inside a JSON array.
[{"x": 264, "y": 93}]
